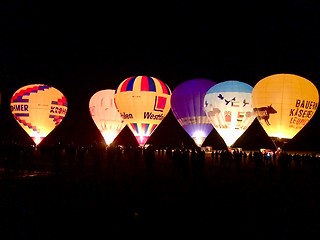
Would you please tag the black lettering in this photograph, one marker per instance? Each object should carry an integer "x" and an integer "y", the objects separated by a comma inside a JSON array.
[
  {"x": 20, "y": 108},
  {"x": 150, "y": 115},
  {"x": 126, "y": 115}
]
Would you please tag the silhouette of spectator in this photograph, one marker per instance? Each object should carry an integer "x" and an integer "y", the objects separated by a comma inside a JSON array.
[
  {"x": 185, "y": 163},
  {"x": 176, "y": 161},
  {"x": 57, "y": 155},
  {"x": 71, "y": 151},
  {"x": 198, "y": 164},
  {"x": 81, "y": 155},
  {"x": 257, "y": 159},
  {"x": 149, "y": 158}
]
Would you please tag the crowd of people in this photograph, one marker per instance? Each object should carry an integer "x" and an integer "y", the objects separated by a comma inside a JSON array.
[
  {"x": 68, "y": 157},
  {"x": 162, "y": 189}
]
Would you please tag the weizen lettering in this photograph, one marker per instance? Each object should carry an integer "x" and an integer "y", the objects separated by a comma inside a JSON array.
[{"x": 126, "y": 115}]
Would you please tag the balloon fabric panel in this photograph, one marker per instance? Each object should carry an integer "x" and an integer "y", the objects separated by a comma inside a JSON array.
[
  {"x": 38, "y": 109},
  {"x": 284, "y": 104},
  {"x": 228, "y": 106},
  {"x": 105, "y": 115},
  {"x": 187, "y": 107},
  {"x": 143, "y": 102}
]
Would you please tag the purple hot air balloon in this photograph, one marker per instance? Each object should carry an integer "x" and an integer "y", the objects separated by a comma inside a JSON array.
[{"x": 187, "y": 107}]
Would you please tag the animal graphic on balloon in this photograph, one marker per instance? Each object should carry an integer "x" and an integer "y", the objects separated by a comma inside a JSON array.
[
  {"x": 284, "y": 103},
  {"x": 38, "y": 108},
  {"x": 143, "y": 102}
]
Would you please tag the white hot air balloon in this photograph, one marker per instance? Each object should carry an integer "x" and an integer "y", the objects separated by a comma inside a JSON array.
[
  {"x": 105, "y": 115},
  {"x": 229, "y": 108}
]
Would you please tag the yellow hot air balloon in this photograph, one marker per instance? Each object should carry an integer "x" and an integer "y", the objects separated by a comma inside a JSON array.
[
  {"x": 105, "y": 115},
  {"x": 38, "y": 108},
  {"x": 284, "y": 104},
  {"x": 143, "y": 102}
]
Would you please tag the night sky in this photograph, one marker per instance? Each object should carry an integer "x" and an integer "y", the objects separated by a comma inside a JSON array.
[{"x": 83, "y": 47}]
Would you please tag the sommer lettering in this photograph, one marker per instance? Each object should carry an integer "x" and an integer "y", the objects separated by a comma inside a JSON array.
[{"x": 18, "y": 108}]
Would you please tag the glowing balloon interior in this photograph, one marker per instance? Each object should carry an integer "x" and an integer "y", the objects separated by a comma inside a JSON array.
[
  {"x": 228, "y": 106},
  {"x": 284, "y": 104},
  {"x": 187, "y": 107},
  {"x": 143, "y": 102},
  {"x": 105, "y": 115},
  {"x": 38, "y": 108}
]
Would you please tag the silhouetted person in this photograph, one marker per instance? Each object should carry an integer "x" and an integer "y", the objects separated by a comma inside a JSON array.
[
  {"x": 149, "y": 158},
  {"x": 176, "y": 161},
  {"x": 71, "y": 151},
  {"x": 57, "y": 155}
]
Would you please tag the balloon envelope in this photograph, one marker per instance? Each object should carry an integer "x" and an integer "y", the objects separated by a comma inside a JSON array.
[
  {"x": 228, "y": 106},
  {"x": 187, "y": 107},
  {"x": 284, "y": 104},
  {"x": 143, "y": 102},
  {"x": 38, "y": 108},
  {"x": 105, "y": 115}
]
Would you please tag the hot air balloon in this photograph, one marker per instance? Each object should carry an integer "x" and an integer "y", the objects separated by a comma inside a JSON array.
[
  {"x": 105, "y": 115},
  {"x": 187, "y": 107},
  {"x": 284, "y": 104},
  {"x": 228, "y": 106},
  {"x": 143, "y": 102},
  {"x": 38, "y": 108}
]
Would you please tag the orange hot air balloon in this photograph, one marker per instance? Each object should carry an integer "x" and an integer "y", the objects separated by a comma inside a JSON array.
[
  {"x": 38, "y": 108},
  {"x": 284, "y": 104},
  {"x": 143, "y": 102},
  {"x": 105, "y": 115}
]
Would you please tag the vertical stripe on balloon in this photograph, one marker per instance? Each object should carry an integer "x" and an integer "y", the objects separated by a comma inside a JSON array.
[
  {"x": 134, "y": 127},
  {"x": 147, "y": 84},
  {"x": 165, "y": 88},
  {"x": 153, "y": 127},
  {"x": 127, "y": 84},
  {"x": 144, "y": 128},
  {"x": 124, "y": 85}
]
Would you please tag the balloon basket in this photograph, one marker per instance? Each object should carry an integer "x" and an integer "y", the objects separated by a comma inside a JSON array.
[{"x": 279, "y": 142}]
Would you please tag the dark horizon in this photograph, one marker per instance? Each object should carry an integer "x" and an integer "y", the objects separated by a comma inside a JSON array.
[{"x": 80, "y": 49}]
